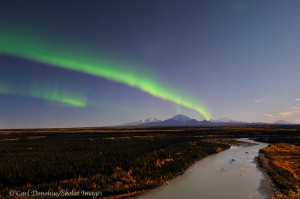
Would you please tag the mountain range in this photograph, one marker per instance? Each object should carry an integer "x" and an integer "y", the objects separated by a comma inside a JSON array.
[
  {"x": 141, "y": 122},
  {"x": 182, "y": 120}
]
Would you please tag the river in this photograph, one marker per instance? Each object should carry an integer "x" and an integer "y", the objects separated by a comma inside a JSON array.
[{"x": 231, "y": 174}]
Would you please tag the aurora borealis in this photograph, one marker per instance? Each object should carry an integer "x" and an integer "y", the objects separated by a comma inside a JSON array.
[
  {"x": 100, "y": 63},
  {"x": 44, "y": 52},
  {"x": 40, "y": 92}
]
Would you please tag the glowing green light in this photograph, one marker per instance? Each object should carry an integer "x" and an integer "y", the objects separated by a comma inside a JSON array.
[
  {"x": 45, "y": 93},
  {"x": 40, "y": 50}
]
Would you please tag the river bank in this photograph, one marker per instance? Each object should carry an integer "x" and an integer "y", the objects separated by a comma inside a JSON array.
[
  {"x": 281, "y": 162},
  {"x": 219, "y": 176},
  {"x": 267, "y": 186},
  {"x": 163, "y": 183}
]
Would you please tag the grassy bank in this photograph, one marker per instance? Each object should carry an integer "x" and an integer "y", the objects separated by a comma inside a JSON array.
[
  {"x": 282, "y": 163},
  {"x": 110, "y": 163}
]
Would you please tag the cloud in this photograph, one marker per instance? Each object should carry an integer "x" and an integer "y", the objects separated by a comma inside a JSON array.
[
  {"x": 291, "y": 111},
  {"x": 271, "y": 116},
  {"x": 262, "y": 100},
  {"x": 296, "y": 108},
  {"x": 297, "y": 99},
  {"x": 287, "y": 113},
  {"x": 296, "y": 121},
  {"x": 268, "y": 115},
  {"x": 259, "y": 100}
]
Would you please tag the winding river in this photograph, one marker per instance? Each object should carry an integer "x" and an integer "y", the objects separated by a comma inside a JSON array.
[{"x": 231, "y": 174}]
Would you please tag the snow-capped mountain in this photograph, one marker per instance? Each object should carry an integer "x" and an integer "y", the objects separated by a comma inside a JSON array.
[
  {"x": 182, "y": 120},
  {"x": 281, "y": 122},
  {"x": 151, "y": 119},
  {"x": 141, "y": 122},
  {"x": 226, "y": 120},
  {"x": 179, "y": 118}
]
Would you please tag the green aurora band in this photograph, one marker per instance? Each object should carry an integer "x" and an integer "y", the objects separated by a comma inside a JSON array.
[
  {"x": 45, "y": 93},
  {"x": 32, "y": 47}
]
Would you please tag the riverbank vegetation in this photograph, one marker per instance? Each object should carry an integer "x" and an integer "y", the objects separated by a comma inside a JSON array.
[
  {"x": 282, "y": 162},
  {"x": 109, "y": 163}
]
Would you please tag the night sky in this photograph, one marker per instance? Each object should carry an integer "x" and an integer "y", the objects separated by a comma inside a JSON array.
[{"x": 67, "y": 63}]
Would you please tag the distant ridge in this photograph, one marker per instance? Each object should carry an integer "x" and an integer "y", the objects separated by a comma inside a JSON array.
[
  {"x": 227, "y": 120},
  {"x": 140, "y": 122},
  {"x": 183, "y": 120},
  {"x": 177, "y": 120},
  {"x": 281, "y": 122}
]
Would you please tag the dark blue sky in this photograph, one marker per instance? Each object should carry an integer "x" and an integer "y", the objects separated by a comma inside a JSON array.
[{"x": 240, "y": 59}]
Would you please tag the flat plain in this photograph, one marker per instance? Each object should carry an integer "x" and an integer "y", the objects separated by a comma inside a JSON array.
[{"x": 122, "y": 162}]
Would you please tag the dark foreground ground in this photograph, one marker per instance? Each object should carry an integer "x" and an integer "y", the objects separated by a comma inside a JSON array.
[{"x": 115, "y": 162}]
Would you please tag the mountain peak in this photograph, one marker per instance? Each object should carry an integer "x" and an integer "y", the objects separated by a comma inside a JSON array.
[
  {"x": 181, "y": 118},
  {"x": 281, "y": 122},
  {"x": 141, "y": 122},
  {"x": 151, "y": 119}
]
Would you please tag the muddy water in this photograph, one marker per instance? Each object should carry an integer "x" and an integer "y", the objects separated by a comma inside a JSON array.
[{"x": 231, "y": 174}]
